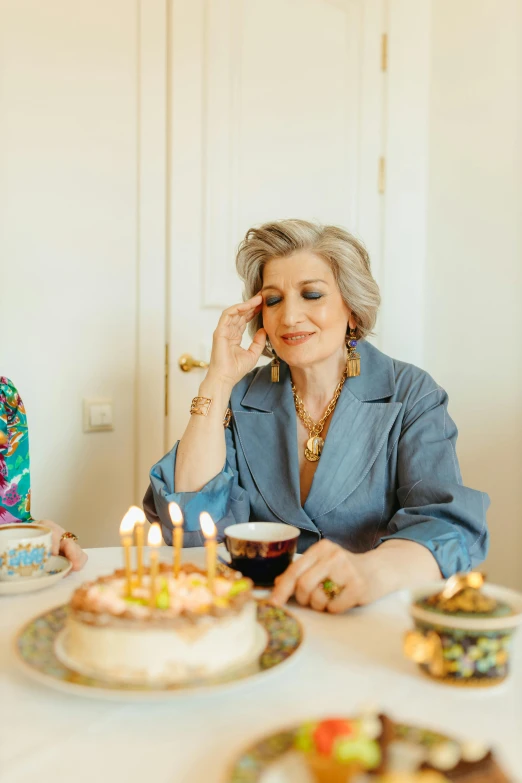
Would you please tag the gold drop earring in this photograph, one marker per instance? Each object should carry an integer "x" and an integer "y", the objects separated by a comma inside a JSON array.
[
  {"x": 353, "y": 360},
  {"x": 275, "y": 363},
  {"x": 275, "y": 369}
]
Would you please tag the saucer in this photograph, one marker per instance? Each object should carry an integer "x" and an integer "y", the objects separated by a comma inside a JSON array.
[{"x": 55, "y": 569}]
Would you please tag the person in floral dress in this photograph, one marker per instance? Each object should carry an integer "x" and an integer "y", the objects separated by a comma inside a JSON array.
[{"x": 15, "y": 476}]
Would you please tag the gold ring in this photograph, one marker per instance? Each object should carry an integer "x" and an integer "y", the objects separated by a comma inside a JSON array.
[
  {"x": 331, "y": 588},
  {"x": 68, "y": 534}
]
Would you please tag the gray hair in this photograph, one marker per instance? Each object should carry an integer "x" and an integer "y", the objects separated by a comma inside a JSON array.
[{"x": 347, "y": 257}]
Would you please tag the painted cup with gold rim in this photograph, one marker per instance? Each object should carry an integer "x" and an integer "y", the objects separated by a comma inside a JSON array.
[
  {"x": 261, "y": 550},
  {"x": 25, "y": 548}
]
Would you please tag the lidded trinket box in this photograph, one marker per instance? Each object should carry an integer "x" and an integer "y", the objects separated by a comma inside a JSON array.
[{"x": 463, "y": 630}]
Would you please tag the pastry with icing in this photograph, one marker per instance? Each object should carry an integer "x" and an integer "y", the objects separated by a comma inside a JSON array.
[{"x": 189, "y": 633}]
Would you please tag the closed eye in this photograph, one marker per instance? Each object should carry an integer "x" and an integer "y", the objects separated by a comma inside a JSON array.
[{"x": 270, "y": 301}]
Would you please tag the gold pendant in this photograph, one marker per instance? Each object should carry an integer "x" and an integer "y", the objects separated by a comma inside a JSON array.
[{"x": 314, "y": 448}]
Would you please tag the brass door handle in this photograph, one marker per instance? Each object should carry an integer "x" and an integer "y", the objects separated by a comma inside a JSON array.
[{"x": 187, "y": 363}]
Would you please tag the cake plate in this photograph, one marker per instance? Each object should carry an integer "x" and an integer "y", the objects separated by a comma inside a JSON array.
[{"x": 36, "y": 653}]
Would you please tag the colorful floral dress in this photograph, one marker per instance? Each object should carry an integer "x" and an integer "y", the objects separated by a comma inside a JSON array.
[{"x": 15, "y": 478}]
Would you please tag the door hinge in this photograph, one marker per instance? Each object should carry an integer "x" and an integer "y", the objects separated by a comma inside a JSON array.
[
  {"x": 381, "y": 186},
  {"x": 384, "y": 52},
  {"x": 166, "y": 379}
]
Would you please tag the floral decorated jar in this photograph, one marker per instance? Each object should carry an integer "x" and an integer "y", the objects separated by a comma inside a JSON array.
[{"x": 463, "y": 630}]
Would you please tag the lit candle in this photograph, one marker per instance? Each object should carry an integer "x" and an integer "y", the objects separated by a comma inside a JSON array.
[
  {"x": 154, "y": 541},
  {"x": 126, "y": 530},
  {"x": 139, "y": 529},
  {"x": 209, "y": 531},
  {"x": 177, "y": 522}
]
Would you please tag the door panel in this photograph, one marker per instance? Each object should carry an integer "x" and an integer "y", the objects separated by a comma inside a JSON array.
[{"x": 275, "y": 111}]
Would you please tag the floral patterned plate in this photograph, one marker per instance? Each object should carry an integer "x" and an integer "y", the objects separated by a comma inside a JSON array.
[
  {"x": 55, "y": 569},
  {"x": 264, "y": 760},
  {"x": 35, "y": 648}
]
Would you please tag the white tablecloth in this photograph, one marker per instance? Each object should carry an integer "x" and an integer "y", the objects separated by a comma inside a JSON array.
[{"x": 345, "y": 662}]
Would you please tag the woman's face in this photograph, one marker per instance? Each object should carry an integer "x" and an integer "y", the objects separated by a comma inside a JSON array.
[{"x": 304, "y": 314}]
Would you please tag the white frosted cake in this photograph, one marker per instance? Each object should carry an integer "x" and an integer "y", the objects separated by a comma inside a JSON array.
[{"x": 190, "y": 633}]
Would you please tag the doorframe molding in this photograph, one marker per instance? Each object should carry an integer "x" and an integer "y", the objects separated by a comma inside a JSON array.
[
  {"x": 405, "y": 229},
  {"x": 152, "y": 238}
]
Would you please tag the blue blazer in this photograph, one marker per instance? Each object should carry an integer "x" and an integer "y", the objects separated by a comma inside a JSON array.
[{"x": 388, "y": 468}]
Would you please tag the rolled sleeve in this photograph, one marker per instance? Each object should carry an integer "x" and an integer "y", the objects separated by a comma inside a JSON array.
[
  {"x": 222, "y": 497},
  {"x": 436, "y": 510}
]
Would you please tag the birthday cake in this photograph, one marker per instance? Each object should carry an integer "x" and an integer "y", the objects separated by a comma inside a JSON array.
[{"x": 187, "y": 632}]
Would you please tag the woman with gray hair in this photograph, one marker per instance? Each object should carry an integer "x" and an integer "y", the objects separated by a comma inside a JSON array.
[{"x": 351, "y": 446}]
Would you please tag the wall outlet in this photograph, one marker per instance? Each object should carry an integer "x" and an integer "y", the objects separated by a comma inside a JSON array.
[{"x": 97, "y": 415}]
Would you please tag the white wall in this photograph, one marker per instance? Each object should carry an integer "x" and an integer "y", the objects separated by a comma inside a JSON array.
[
  {"x": 70, "y": 229},
  {"x": 473, "y": 313},
  {"x": 68, "y": 247}
]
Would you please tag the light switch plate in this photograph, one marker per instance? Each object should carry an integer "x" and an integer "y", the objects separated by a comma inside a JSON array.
[{"x": 98, "y": 415}]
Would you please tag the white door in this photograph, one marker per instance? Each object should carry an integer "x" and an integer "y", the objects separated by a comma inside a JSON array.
[{"x": 275, "y": 111}]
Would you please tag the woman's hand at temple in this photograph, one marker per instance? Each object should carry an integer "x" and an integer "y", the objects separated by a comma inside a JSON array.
[
  {"x": 66, "y": 546},
  {"x": 362, "y": 578},
  {"x": 229, "y": 361},
  {"x": 201, "y": 452}
]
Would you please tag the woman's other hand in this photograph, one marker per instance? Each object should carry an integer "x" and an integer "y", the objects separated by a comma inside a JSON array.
[
  {"x": 393, "y": 565},
  {"x": 326, "y": 561},
  {"x": 65, "y": 546},
  {"x": 229, "y": 361}
]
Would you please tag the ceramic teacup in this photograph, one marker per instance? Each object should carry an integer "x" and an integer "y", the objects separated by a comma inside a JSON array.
[
  {"x": 24, "y": 550},
  {"x": 461, "y": 649},
  {"x": 261, "y": 550}
]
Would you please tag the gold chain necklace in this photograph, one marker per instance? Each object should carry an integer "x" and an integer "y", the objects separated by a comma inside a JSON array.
[{"x": 315, "y": 443}]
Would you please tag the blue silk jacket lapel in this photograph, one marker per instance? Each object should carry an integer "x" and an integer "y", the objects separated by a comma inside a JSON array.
[
  {"x": 361, "y": 423},
  {"x": 357, "y": 433},
  {"x": 267, "y": 429}
]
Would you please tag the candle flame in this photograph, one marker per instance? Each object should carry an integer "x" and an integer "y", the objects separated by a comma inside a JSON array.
[
  {"x": 138, "y": 515},
  {"x": 154, "y": 538},
  {"x": 207, "y": 525},
  {"x": 175, "y": 513},
  {"x": 128, "y": 522}
]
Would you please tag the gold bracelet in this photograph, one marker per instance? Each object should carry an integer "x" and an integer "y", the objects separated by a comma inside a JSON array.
[{"x": 201, "y": 406}]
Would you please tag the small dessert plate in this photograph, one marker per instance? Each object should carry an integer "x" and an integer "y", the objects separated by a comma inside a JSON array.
[
  {"x": 291, "y": 755},
  {"x": 55, "y": 569}
]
